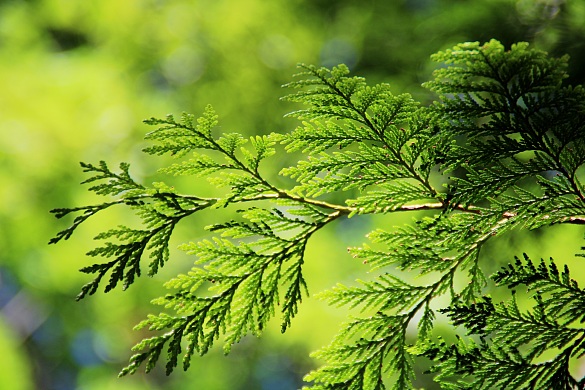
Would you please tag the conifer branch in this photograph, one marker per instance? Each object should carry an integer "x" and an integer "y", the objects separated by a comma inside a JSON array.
[{"x": 504, "y": 127}]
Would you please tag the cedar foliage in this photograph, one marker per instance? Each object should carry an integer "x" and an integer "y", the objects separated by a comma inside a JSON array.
[{"x": 500, "y": 149}]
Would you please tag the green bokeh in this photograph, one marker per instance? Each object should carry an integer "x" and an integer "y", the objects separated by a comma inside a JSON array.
[{"x": 79, "y": 76}]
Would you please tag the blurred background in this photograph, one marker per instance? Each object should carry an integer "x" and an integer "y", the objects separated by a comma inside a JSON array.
[{"x": 78, "y": 77}]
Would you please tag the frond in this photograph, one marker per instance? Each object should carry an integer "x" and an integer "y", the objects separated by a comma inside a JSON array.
[
  {"x": 550, "y": 326},
  {"x": 159, "y": 208},
  {"x": 380, "y": 137},
  {"x": 561, "y": 296},
  {"x": 386, "y": 293},
  {"x": 379, "y": 347}
]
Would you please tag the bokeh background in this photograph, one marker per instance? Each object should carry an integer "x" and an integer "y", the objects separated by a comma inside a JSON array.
[{"x": 77, "y": 78}]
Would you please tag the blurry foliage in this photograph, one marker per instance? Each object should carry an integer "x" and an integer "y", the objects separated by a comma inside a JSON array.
[{"x": 78, "y": 77}]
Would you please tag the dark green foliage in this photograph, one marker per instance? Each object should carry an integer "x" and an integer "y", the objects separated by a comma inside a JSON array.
[
  {"x": 501, "y": 149},
  {"x": 518, "y": 339}
]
